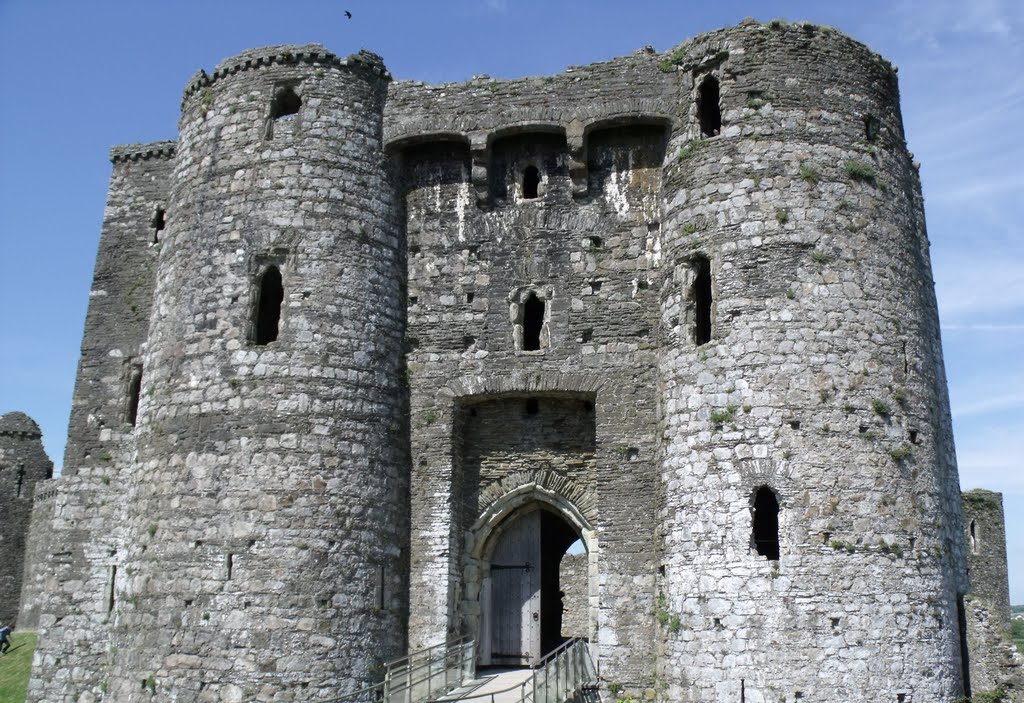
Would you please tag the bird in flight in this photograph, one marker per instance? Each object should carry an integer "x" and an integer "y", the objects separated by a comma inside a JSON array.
[{"x": 348, "y": 15}]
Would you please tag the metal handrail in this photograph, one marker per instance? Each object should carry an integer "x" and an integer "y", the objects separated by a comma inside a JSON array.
[
  {"x": 581, "y": 675},
  {"x": 404, "y": 677}
]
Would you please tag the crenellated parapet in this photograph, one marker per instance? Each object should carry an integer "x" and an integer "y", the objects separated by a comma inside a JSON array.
[{"x": 142, "y": 152}]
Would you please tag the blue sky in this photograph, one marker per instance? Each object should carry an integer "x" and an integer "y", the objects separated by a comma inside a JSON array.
[{"x": 78, "y": 77}]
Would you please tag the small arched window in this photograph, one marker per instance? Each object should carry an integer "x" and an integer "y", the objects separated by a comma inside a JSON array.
[
  {"x": 974, "y": 536},
  {"x": 531, "y": 182},
  {"x": 269, "y": 297},
  {"x": 701, "y": 296},
  {"x": 533, "y": 322},
  {"x": 766, "y": 523},
  {"x": 709, "y": 111}
]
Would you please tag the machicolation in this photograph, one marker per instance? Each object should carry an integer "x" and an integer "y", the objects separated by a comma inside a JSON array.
[{"x": 645, "y": 352}]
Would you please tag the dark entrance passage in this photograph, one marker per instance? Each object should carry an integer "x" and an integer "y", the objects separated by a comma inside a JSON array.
[{"x": 523, "y": 600}]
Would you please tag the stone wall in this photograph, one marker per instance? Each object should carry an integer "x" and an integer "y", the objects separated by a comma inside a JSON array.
[
  {"x": 985, "y": 534},
  {"x": 77, "y": 530},
  {"x": 994, "y": 661},
  {"x": 573, "y": 580},
  {"x": 585, "y": 247},
  {"x": 23, "y": 464},
  {"x": 822, "y": 382},
  {"x": 267, "y": 514}
]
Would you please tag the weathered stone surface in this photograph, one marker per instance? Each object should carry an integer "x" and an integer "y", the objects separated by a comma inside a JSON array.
[
  {"x": 23, "y": 464},
  {"x": 503, "y": 296},
  {"x": 994, "y": 662}
]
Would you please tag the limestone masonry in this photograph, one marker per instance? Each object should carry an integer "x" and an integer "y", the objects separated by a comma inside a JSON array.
[{"x": 364, "y": 358}]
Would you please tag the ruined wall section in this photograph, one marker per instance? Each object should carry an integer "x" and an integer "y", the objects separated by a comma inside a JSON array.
[
  {"x": 23, "y": 464},
  {"x": 268, "y": 512},
  {"x": 586, "y": 244},
  {"x": 77, "y": 526},
  {"x": 994, "y": 661},
  {"x": 985, "y": 537},
  {"x": 820, "y": 381},
  {"x": 104, "y": 404}
]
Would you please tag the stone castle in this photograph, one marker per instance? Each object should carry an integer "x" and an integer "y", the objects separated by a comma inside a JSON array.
[{"x": 363, "y": 358}]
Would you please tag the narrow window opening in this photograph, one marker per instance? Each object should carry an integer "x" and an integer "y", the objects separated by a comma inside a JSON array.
[
  {"x": 110, "y": 588},
  {"x": 158, "y": 223},
  {"x": 871, "y": 127},
  {"x": 531, "y": 182},
  {"x": 286, "y": 104},
  {"x": 21, "y": 481},
  {"x": 533, "y": 322},
  {"x": 709, "y": 112},
  {"x": 974, "y": 536},
  {"x": 379, "y": 590},
  {"x": 532, "y": 406},
  {"x": 134, "y": 393},
  {"x": 268, "y": 306},
  {"x": 470, "y": 297},
  {"x": 229, "y": 565},
  {"x": 702, "y": 302},
  {"x": 965, "y": 660},
  {"x": 766, "y": 523}
]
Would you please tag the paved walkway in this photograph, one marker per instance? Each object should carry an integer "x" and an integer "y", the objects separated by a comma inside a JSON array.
[{"x": 488, "y": 687}]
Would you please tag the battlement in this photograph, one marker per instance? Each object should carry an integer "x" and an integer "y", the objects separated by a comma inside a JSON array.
[
  {"x": 18, "y": 424},
  {"x": 285, "y": 55},
  {"x": 141, "y": 152}
]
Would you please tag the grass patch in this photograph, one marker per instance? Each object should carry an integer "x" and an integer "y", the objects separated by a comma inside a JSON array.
[
  {"x": 809, "y": 175},
  {"x": 690, "y": 149},
  {"x": 15, "y": 667},
  {"x": 1017, "y": 633},
  {"x": 860, "y": 171},
  {"x": 881, "y": 408},
  {"x": 719, "y": 417}
]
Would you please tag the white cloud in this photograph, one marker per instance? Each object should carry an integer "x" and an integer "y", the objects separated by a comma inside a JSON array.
[{"x": 990, "y": 404}]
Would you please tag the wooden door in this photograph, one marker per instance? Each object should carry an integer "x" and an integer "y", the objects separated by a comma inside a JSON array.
[{"x": 514, "y": 621}]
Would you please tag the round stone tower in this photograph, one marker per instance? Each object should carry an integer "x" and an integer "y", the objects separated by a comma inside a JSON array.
[
  {"x": 811, "y": 505},
  {"x": 268, "y": 509}
]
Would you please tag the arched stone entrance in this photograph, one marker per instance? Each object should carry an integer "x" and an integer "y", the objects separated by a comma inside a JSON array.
[{"x": 513, "y": 594}]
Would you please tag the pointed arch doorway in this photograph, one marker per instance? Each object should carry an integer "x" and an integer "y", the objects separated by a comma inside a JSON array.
[{"x": 521, "y": 595}]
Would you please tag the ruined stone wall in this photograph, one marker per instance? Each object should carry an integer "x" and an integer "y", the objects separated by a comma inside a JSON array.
[
  {"x": 107, "y": 385},
  {"x": 573, "y": 580},
  {"x": 985, "y": 536},
  {"x": 822, "y": 381},
  {"x": 585, "y": 246},
  {"x": 994, "y": 662},
  {"x": 23, "y": 464},
  {"x": 77, "y": 540}
]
